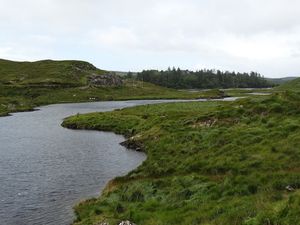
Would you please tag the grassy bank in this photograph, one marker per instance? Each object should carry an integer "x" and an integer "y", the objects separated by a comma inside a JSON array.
[
  {"x": 22, "y": 98},
  {"x": 208, "y": 163},
  {"x": 25, "y": 85}
]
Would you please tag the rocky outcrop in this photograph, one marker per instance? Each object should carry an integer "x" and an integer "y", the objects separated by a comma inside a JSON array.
[
  {"x": 105, "y": 80},
  {"x": 132, "y": 144},
  {"x": 83, "y": 66}
]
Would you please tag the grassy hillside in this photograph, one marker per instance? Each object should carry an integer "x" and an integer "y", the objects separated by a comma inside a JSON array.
[
  {"x": 24, "y": 85},
  {"x": 46, "y": 72},
  {"x": 291, "y": 85},
  {"x": 279, "y": 81},
  {"x": 212, "y": 163}
]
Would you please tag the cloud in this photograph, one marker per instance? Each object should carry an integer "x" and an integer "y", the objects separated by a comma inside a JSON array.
[
  {"x": 233, "y": 34},
  {"x": 115, "y": 37}
]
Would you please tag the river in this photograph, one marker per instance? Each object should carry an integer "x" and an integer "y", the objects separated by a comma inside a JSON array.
[{"x": 46, "y": 169}]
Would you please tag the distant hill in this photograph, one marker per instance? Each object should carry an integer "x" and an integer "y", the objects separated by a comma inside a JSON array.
[
  {"x": 280, "y": 80},
  {"x": 124, "y": 74},
  {"x": 291, "y": 85}
]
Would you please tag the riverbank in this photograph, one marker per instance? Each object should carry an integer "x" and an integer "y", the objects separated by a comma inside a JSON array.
[
  {"x": 23, "y": 98},
  {"x": 15, "y": 99},
  {"x": 18, "y": 99},
  {"x": 207, "y": 163}
]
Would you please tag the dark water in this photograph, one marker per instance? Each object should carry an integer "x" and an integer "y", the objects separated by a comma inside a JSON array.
[{"x": 46, "y": 169}]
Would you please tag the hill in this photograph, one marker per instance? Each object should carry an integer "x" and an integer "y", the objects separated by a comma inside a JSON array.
[
  {"x": 124, "y": 74},
  {"x": 279, "y": 81},
  {"x": 46, "y": 72},
  {"x": 291, "y": 85}
]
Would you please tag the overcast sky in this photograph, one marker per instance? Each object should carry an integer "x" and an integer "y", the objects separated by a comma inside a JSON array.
[{"x": 241, "y": 35}]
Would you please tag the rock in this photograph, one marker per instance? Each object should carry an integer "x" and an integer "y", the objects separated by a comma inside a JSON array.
[
  {"x": 102, "y": 223},
  {"x": 132, "y": 144},
  {"x": 105, "y": 80},
  {"x": 126, "y": 223},
  {"x": 289, "y": 188}
]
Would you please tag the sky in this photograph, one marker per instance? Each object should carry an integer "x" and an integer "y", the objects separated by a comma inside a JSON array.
[{"x": 132, "y": 35}]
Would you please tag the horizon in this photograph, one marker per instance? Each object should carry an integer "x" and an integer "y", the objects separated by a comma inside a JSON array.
[{"x": 114, "y": 35}]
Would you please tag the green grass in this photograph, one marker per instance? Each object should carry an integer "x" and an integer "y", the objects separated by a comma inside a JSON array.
[
  {"x": 25, "y": 85},
  {"x": 208, "y": 163}
]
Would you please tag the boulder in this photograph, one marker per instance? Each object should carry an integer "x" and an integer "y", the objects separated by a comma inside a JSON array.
[{"x": 289, "y": 188}]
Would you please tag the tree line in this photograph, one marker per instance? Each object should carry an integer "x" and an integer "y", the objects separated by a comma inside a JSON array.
[{"x": 205, "y": 78}]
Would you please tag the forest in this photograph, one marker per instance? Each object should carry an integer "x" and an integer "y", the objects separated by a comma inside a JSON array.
[{"x": 205, "y": 78}]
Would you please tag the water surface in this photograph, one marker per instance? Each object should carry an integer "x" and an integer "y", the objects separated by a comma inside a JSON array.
[{"x": 45, "y": 169}]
